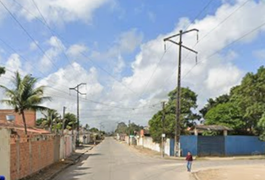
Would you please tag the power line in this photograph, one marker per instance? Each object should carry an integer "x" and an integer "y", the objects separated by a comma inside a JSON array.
[
  {"x": 27, "y": 33},
  {"x": 160, "y": 59},
  {"x": 207, "y": 34},
  {"x": 81, "y": 53},
  {"x": 243, "y": 36}
]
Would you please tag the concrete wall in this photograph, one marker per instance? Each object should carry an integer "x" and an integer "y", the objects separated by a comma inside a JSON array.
[
  {"x": 243, "y": 145},
  {"x": 5, "y": 153},
  {"x": 148, "y": 143}
]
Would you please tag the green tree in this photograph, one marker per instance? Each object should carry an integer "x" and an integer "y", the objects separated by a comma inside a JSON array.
[
  {"x": 121, "y": 128},
  {"x": 2, "y": 70},
  {"x": 188, "y": 103},
  {"x": 86, "y": 127},
  {"x": 213, "y": 103},
  {"x": 52, "y": 120},
  {"x": 226, "y": 114},
  {"x": 261, "y": 126},
  {"x": 24, "y": 96},
  {"x": 94, "y": 130},
  {"x": 133, "y": 128},
  {"x": 249, "y": 96},
  {"x": 70, "y": 121}
]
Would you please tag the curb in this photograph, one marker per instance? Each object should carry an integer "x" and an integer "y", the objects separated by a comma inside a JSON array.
[
  {"x": 195, "y": 176},
  {"x": 70, "y": 164}
]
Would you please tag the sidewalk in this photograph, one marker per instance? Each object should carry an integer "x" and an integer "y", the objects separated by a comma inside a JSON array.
[
  {"x": 246, "y": 172},
  {"x": 51, "y": 171}
]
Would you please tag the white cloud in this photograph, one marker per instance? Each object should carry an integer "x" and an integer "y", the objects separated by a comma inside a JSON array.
[
  {"x": 49, "y": 59},
  {"x": 77, "y": 49},
  {"x": 214, "y": 75},
  {"x": 12, "y": 65},
  {"x": 126, "y": 43},
  {"x": 60, "y": 11},
  {"x": 59, "y": 83}
]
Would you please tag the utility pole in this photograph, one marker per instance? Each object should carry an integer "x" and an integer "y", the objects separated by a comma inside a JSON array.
[
  {"x": 163, "y": 129},
  {"x": 64, "y": 108},
  {"x": 129, "y": 131},
  {"x": 77, "y": 108},
  {"x": 178, "y": 98}
]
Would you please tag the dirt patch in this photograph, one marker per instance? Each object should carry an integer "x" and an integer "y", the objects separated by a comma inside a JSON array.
[
  {"x": 48, "y": 172},
  {"x": 233, "y": 173}
]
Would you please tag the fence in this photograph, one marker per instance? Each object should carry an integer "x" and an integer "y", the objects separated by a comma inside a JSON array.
[
  {"x": 24, "y": 155},
  {"x": 221, "y": 145}
]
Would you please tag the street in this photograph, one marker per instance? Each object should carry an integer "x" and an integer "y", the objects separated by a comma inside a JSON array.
[{"x": 112, "y": 160}]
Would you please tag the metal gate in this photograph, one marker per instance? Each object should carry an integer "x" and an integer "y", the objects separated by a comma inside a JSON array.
[{"x": 211, "y": 145}]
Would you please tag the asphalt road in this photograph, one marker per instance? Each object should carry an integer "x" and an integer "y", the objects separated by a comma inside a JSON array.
[{"x": 112, "y": 160}]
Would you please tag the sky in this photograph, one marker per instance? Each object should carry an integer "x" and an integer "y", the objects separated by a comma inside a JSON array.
[{"x": 116, "y": 47}]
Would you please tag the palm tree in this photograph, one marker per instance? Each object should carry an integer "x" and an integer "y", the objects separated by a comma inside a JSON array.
[
  {"x": 51, "y": 119},
  {"x": 24, "y": 95}
]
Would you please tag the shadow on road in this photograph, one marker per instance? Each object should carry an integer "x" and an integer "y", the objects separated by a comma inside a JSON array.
[{"x": 95, "y": 154}]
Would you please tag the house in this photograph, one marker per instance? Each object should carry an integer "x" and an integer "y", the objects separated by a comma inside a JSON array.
[{"x": 17, "y": 122}]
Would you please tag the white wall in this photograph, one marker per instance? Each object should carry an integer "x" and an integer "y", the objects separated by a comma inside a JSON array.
[
  {"x": 5, "y": 153},
  {"x": 147, "y": 142}
]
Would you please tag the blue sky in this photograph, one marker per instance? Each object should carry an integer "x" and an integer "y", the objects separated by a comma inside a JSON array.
[{"x": 116, "y": 47}]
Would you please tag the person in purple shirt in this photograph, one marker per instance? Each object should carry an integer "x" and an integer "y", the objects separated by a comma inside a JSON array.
[{"x": 189, "y": 160}]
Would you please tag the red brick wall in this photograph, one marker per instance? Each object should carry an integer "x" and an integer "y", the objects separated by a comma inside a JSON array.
[
  {"x": 35, "y": 153},
  {"x": 29, "y": 115}
]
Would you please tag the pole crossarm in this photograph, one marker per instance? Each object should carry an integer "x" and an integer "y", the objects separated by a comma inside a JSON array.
[
  {"x": 178, "y": 97},
  {"x": 77, "y": 108},
  {"x": 185, "y": 32},
  {"x": 183, "y": 46}
]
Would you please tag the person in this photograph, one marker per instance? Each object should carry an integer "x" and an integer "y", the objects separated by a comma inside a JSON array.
[
  {"x": 189, "y": 160},
  {"x": 2, "y": 177}
]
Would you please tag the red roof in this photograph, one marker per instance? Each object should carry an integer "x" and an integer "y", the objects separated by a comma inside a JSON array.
[{"x": 32, "y": 130}]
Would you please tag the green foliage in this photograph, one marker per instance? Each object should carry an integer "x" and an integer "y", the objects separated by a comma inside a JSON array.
[
  {"x": 86, "y": 127},
  {"x": 213, "y": 103},
  {"x": 94, "y": 130},
  {"x": 133, "y": 128},
  {"x": 70, "y": 121},
  {"x": 188, "y": 103},
  {"x": 24, "y": 96},
  {"x": 227, "y": 114},
  {"x": 121, "y": 128},
  {"x": 2, "y": 70},
  {"x": 210, "y": 133},
  {"x": 261, "y": 126},
  {"x": 242, "y": 110},
  {"x": 52, "y": 120}
]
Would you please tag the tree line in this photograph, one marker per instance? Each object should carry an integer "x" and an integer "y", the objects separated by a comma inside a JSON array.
[{"x": 242, "y": 109}]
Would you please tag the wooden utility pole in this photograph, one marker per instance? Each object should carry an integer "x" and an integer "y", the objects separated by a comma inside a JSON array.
[
  {"x": 77, "y": 108},
  {"x": 178, "y": 98},
  {"x": 163, "y": 129}
]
